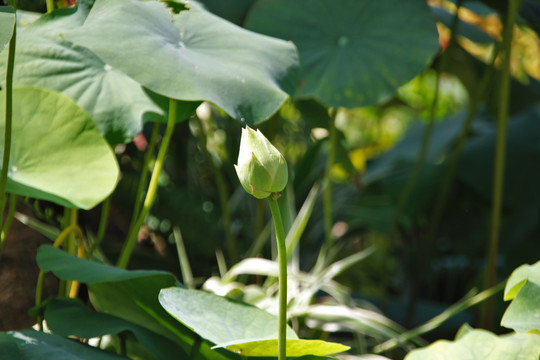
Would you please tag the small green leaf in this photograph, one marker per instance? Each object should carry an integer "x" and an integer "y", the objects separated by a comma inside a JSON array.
[
  {"x": 523, "y": 313},
  {"x": 69, "y": 267},
  {"x": 38, "y": 345},
  {"x": 57, "y": 152},
  {"x": 60, "y": 313},
  {"x": 9, "y": 348},
  {"x": 192, "y": 56},
  {"x": 519, "y": 277},
  {"x": 7, "y": 22},
  {"x": 218, "y": 319},
  {"x": 295, "y": 347},
  {"x": 481, "y": 345},
  {"x": 130, "y": 295}
]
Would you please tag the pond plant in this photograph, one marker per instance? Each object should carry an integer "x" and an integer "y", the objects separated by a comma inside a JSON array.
[{"x": 138, "y": 104}]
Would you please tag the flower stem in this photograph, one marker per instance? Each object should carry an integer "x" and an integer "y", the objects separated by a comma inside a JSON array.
[
  {"x": 327, "y": 189},
  {"x": 282, "y": 258},
  {"x": 129, "y": 245},
  {"x": 9, "y": 119},
  {"x": 500, "y": 155},
  {"x": 144, "y": 171}
]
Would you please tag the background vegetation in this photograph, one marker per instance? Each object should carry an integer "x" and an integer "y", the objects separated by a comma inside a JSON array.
[{"x": 411, "y": 133}]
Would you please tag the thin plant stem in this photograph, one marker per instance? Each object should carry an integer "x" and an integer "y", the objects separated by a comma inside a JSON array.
[
  {"x": 72, "y": 229},
  {"x": 232, "y": 248},
  {"x": 282, "y": 259},
  {"x": 144, "y": 171},
  {"x": 50, "y": 5},
  {"x": 103, "y": 221},
  {"x": 435, "y": 322},
  {"x": 420, "y": 160},
  {"x": 196, "y": 347},
  {"x": 8, "y": 117},
  {"x": 71, "y": 215},
  {"x": 453, "y": 163},
  {"x": 327, "y": 181},
  {"x": 74, "y": 289},
  {"x": 417, "y": 170},
  {"x": 500, "y": 154},
  {"x": 129, "y": 245},
  {"x": 9, "y": 218},
  {"x": 183, "y": 259}
]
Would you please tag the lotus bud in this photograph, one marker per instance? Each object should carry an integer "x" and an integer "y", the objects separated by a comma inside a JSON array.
[{"x": 261, "y": 168}]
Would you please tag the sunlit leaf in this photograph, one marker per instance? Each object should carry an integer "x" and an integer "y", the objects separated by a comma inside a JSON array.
[
  {"x": 7, "y": 21},
  {"x": 352, "y": 52},
  {"x": 57, "y": 153},
  {"x": 523, "y": 313},
  {"x": 481, "y": 345},
  {"x": 192, "y": 55},
  {"x": 219, "y": 319},
  {"x": 295, "y": 347},
  {"x": 519, "y": 277}
]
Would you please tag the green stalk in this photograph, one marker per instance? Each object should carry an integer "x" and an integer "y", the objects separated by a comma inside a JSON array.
[
  {"x": 73, "y": 229},
  {"x": 453, "y": 163},
  {"x": 500, "y": 154},
  {"x": 129, "y": 245},
  {"x": 327, "y": 181},
  {"x": 144, "y": 171},
  {"x": 71, "y": 246},
  {"x": 425, "y": 245},
  {"x": 282, "y": 259},
  {"x": 426, "y": 138},
  {"x": 9, "y": 218},
  {"x": 103, "y": 221},
  {"x": 50, "y": 5},
  {"x": 9, "y": 118},
  {"x": 183, "y": 259}
]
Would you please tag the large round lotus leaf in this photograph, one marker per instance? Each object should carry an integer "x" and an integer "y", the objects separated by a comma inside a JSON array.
[
  {"x": 193, "y": 55},
  {"x": 57, "y": 153},
  {"x": 115, "y": 102},
  {"x": 352, "y": 52},
  {"x": 7, "y": 20}
]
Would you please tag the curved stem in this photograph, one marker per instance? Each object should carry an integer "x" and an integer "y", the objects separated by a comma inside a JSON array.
[
  {"x": 72, "y": 229},
  {"x": 71, "y": 246},
  {"x": 9, "y": 218},
  {"x": 127, "y": 250},
  {"x": 418, "y": 166},
  {"x": 425, "y": 242},
  {"x": 327, "y": 189},
  {"x": 50, "y": 5},
  {"x": 282, "y": 258},
  {"x": 144, "y": 171},
  {"x": 500, "y": 154},
  {"x": 9, "y": 119},
  {"x": 103, "y": 220}
]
